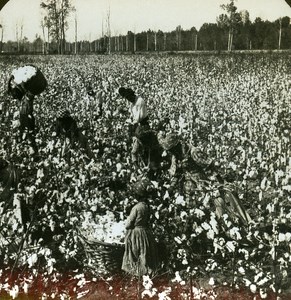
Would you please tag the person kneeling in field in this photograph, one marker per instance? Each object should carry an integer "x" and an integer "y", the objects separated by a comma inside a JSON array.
[
  {"x": 191, "y": 168},
  {"x": 66, "y": 125}
]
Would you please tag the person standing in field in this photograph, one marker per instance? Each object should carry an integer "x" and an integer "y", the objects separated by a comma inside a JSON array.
[
  {"x": 138, "y": 108},
  {"x": 141, "y": 251},
  {"x": 139, "y": 118},
  {"x": 94, "y": 101}
]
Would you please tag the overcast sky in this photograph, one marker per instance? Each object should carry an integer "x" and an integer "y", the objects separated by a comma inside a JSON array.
[{"x": 133, "y": 15}]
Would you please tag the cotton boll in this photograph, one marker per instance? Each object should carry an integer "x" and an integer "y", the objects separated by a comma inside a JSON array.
[
  {"x": 23, "y": 74},
  {"x": 263, "y": 294},
  {"x": 253, "y": 288},
  {"x": 14, "y": 292},
  {"x": 118, "y": 167},
  {"x": 211, "y": 281}
]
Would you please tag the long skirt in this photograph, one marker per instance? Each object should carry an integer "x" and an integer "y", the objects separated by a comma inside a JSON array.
[{"x": 140, "y": 255}]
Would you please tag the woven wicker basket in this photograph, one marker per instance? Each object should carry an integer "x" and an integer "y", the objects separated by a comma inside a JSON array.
[{"x": 105, "y": 258}]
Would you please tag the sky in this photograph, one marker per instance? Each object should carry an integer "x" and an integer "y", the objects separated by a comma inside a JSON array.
[{"x": 133, "y": 15}]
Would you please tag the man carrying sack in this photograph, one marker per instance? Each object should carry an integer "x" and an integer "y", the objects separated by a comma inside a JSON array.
[{"x": 23, "y": 85}]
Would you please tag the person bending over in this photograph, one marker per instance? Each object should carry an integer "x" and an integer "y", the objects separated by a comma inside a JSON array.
[{"x": 66, "y": 125}]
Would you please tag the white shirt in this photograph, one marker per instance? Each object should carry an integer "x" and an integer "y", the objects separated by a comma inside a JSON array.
[{"x": 138, "y": 110}]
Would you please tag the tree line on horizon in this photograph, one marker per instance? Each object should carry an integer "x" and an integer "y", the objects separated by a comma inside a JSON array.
[{"x": 233, "y": 30}]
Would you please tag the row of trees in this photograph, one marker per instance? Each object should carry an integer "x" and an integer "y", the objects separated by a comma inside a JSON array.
[{"x": 233, "y": 31}]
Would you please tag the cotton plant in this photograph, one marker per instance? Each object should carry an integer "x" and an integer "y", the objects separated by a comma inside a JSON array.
[
  {"x": 104, "y": 228},
  {"x": 235, "y": 115}
]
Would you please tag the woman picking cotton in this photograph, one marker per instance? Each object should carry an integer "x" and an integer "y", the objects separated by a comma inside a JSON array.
[
  {"x": 140, "y": 255},
  {"x": 139, "y": 118}
]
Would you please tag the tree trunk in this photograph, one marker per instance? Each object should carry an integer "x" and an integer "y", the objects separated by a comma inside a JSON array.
[
  {"x": 48, "y": 40},
  {"x": 165, "y": 41},
  {"x": 1, "y": 42},
  {"x": 280, "y": 35},
  {"x": 17, "y": 38},
  {"x": 230, "y": 39},
  {"x": 44, "y": 39},
  {"x": 63, "y": 39},
  {"x": 109, "y": 32},
  {"x": 76, "y": 37},
  {"x": 109, "y": 44},
  {"x": 21, "y": 38},
  {"x": 63, "y": 32},
  {"x": 56, "y": 25}
]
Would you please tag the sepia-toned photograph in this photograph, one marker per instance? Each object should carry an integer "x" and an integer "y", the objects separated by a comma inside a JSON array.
[{"x": 145, "y": 149}]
